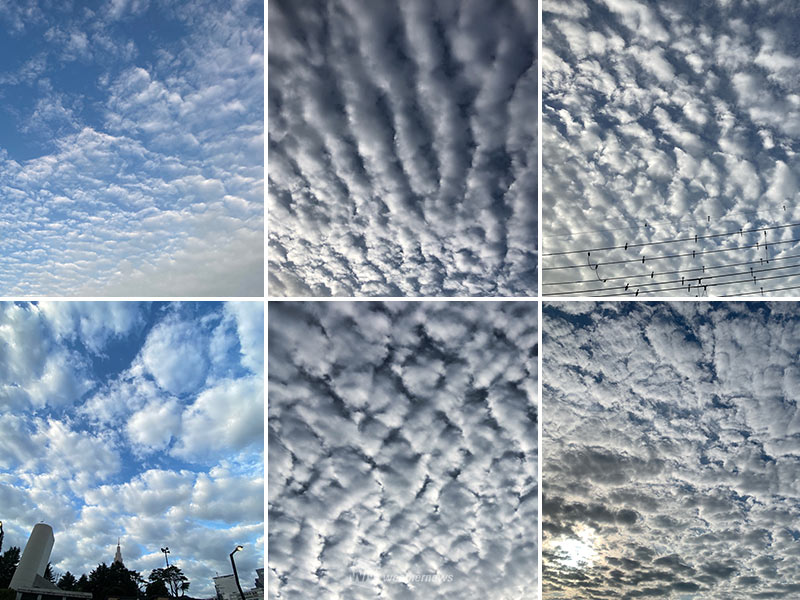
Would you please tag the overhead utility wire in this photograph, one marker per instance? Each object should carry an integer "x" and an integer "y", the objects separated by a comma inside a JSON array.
[
  {"x": 703, "y": 268},
  {"x": 693, "y": 254},
  {"x": 699, "y": 281},
  {"x": 763, "y": 291},
  {"x": 696, "y": 286},
  {"x": 693, "y": 238}
]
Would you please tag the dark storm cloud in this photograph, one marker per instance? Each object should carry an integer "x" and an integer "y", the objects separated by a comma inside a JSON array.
[
  {"x": 671, "y": 450},
  {"x": 402, "y": 147},
  {"x": 403, "y": 450},
  {"x": 660, "y": 112}
]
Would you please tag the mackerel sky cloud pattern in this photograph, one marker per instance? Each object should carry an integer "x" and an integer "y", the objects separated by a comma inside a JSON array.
[
  {"x": 403, "y": 450},
  {"x": 402, "y": 148},
  {"x": 667, "y": 119},
  {"x": 671, "y": 450},
  {"x": 131, "y": 148}
]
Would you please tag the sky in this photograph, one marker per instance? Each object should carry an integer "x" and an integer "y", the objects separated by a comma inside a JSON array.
[
  {"x": 402, "y": 148},
  {"x": 671, "y": 450},
  {"x": 131, "y": 148},
  {"x": 136, "y": 421},
  {"x": 403, "y": 450},
  {"x": 662, "y": 119}
]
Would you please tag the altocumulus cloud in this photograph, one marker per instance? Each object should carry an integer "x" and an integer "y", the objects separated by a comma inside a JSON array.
[
  {"x": 131, "y": 160},
  {"x": 402, "y": 148},
  {"x": 671, "y": 444},
  {"x": 101, "y": 442},
  {"x": 668, "y": 114},
  {"x": 402, "y": 450}
]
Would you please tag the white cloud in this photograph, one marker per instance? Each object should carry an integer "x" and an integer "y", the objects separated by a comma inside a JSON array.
[
  {"x": 405, "y": 164},
  {"x": 669, "y": 428},
  {"x": 228, "y": 417},
  {"x": 176, "y": 355},
  {"x": 403, "y": 453}
]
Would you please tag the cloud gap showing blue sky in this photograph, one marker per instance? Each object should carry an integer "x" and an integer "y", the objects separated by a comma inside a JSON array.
[
  {"x": 139, "y": 421},
  {"x": 403, "y": 450},
  {"x": 671, "y": 450},
  {"x": 402, "y": 148},
  {"x": 131, "y": 148}
]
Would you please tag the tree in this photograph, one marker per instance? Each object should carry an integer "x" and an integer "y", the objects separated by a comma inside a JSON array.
[
  {"x": 83, "y": 584},
  {"x": 49, "y": 574},
  {"x": 114, "y": 581},
  {"x": 173, "y": 578},
  {"x": 67, "y": 582},
  {"x": 8, "y": 564},
  {"x": 156, "y": 589}
]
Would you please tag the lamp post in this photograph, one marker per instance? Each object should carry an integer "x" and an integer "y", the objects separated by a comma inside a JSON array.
[
  {"x": 235, "y": 574},
  {"x": 171, "y": 585}
]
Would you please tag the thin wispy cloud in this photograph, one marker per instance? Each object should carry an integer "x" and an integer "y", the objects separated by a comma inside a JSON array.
[
  {"x": 402, "y": 148},
  {"x": 131, "y": 160},
  {"x": 403, "y": 450},
  {"x": 670, "y": 450}
]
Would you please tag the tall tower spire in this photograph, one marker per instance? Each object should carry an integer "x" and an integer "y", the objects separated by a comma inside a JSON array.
[{"x": 118, "y": 555}]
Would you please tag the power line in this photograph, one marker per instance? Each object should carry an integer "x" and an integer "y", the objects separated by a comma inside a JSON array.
[
  {"x": 703, "y": 269},
  {"x": 693, "y": 254},
  {"x": 673, "y": 241},
  {"x": 763, "y": 291},
  {"x": 681, "y": 280},
  {"x": 704, "y": 286}
]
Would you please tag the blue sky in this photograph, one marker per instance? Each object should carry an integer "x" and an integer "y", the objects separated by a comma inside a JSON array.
[
  {"x": 671, "y": 450},
  {"x": 131, "y": 148},
  {"x": 402, "y": 148},
  {"x": 135, "y": 420},
  {"x": 677, "y": 114}
]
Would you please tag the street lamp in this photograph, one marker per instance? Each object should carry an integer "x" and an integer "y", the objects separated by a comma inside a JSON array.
[
  {"x": 235, "y": 574},
  {"x": 169, "y": 575}
]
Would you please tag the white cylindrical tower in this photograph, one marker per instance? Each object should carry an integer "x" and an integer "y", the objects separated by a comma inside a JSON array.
[{"x": 34, "y": 558}]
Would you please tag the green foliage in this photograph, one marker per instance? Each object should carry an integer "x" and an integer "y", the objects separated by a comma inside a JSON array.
[
  {"x": 115, "y": 581},
  {"x": 8, "y": 564},
  {"x": 156, "y": 589},
  {"x": 83, "y": 584},
  {"x": 49, "y": 574},
  {"x": 7, "y": 594},
  {"x": 173, "y": 579},
  {"x": 67, "y": 582}
]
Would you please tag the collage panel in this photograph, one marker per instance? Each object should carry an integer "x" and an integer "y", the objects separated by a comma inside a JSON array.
[
  {"x": 671, "y": 450},
  {"x": 403, "y": 148},
  {"x": 131, "y": 450},
  {"x": 669, "y": 148},
  {"x": 132, "y": 149},
  {"x": 403, "y": 456}
]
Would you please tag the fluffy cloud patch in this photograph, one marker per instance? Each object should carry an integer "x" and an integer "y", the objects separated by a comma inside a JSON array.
[{"x": 402, "y": 462}]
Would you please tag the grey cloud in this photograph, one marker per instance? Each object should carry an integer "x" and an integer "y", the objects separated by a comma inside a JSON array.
[
  {"x": 669, "y": 467},
  {"x": 402, "y": 148}
]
